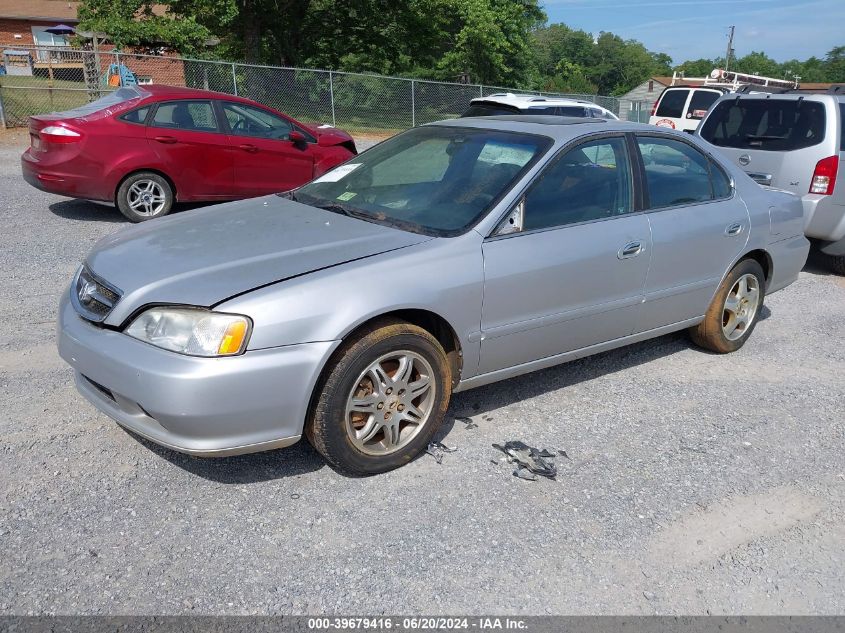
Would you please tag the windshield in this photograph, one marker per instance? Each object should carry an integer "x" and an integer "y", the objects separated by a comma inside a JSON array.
[
  {"x": 432, "y": 180},
  {"x": 765, "y": 124}
]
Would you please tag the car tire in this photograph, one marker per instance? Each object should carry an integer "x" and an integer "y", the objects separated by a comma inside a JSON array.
[
  {"x": 734, "y": 311},
  {"x": 363, "y": 411},
  {"x": 836, "y": 263},
  {"x": 144, "y": 196}
]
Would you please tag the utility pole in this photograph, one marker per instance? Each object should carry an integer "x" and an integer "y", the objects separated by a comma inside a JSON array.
[{"x": 730, "y": 49}]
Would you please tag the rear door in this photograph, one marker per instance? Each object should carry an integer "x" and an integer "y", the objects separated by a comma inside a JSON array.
[
  {"x": 670, "y": 108},
  {"x": 573, "y": 275},
  {"x": 698, "y": 228},
  {"x": 266, "y": 160},
  {"x": 777, "y": 140},
  {"x": 191, "y": 149}
]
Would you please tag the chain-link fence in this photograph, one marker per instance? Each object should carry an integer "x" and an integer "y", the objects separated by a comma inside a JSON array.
[{"x": 52, "y": 79}]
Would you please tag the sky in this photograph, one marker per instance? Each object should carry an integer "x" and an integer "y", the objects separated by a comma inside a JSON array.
[{"x": 689, "y": 29}]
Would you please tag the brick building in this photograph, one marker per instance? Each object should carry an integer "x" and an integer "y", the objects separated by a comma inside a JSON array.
[{"x": 24, "y": 24}]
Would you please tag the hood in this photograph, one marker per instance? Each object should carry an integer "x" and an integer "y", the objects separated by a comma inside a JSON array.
[
  {"x": 205, "y": 256},
  {"x": 328, "y": 135}
]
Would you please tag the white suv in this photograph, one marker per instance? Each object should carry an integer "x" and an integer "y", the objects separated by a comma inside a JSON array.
[
  {"x": 793, "y": 141},
  {"x": 508, "y": 103}
]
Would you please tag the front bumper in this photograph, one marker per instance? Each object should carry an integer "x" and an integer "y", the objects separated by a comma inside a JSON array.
[{"x": 201, "y": 406}]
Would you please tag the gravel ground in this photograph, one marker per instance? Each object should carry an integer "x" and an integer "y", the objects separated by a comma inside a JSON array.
[{"x": 696, "y": 483}]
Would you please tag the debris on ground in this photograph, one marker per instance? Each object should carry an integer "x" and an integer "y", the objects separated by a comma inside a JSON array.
[
  {"x": 529, "y": 461},
  {"x": 437, "y": 450},
  {"x": 467, "y": 422}
]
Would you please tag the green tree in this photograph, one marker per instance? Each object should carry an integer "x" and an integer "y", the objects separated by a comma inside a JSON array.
[
  {"x": 135, "y": 23},
  {"x": 490, "y": 40},
  {"x": 757, "y": 63},
  {"x": 834, "y": 65},
  {"x": 699, "y": 67}
]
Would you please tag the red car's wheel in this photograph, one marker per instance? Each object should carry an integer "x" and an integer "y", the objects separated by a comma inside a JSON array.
[{"x": 144, "y": 196}]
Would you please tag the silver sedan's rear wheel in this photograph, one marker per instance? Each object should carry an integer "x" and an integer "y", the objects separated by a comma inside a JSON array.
[
  {"x": 741, "y": 307},
  {"x": 381, "y": 398},
  {"x": 144, "y": 196},
  {"x": 735, "y": 309}
]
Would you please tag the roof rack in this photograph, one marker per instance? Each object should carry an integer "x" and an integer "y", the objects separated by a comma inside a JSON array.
[{"x": 733, "y": 81}]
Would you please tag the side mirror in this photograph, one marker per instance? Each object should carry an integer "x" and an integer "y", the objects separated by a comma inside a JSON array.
[{"x": 296, "y": 137}]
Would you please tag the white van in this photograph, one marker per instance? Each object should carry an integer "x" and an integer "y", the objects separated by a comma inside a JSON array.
[{"x": 683, "y": 107}]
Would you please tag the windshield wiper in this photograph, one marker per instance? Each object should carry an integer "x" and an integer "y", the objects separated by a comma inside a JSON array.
[{"x": 342, "y": 209}]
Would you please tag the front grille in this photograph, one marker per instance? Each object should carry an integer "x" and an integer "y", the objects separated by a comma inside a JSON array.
[{"x": 92, "y": 297}]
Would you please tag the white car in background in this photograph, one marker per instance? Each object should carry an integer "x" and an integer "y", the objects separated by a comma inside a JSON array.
[{"x": 509, "y": 103}]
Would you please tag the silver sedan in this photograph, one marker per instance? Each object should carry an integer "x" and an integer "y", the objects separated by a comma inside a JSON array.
[{"x": 450, "y": 256}]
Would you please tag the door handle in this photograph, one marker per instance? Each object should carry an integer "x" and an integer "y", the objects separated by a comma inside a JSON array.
[
  {"x": 248, "y": 148},
  {"x": 168, "y": 140},
  {"x": 733, "y": 229},
  {"x": 631, "y": 249}
]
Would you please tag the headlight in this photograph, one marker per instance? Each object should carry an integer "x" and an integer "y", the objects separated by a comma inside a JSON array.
[{"x": 192, "y": 331}]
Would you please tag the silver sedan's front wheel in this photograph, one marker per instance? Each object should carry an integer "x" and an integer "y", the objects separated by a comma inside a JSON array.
[
  {"x": 390, "y": 402},
  {"x": 381, "y": 398}
]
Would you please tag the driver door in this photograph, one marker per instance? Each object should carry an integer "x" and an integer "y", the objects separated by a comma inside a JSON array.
[{"x": 265, "y": 160}]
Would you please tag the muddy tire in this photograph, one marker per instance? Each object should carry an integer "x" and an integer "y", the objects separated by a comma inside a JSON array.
[
  {"x": 381, "y": 398},
  {"x": 734, "y": 311}
]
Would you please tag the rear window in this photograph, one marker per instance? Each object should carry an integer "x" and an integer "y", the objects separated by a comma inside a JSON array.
[
  {"x": 765, "y": 124},
  {"x": 112, "y": 99},
  {"x": 672, "y": 103},
  {"x": 701, "y": 102},
  {"x": 489, "y": 109}
]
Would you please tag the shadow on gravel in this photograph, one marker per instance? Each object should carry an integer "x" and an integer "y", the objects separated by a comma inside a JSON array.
[
  {"x": 88, "y": 211},
  {"x": 299, "y": 459},
  {"x": 293, "y": 461},
  {"x": 816, "y": 265},
  {"x": 484, "y": 399}
]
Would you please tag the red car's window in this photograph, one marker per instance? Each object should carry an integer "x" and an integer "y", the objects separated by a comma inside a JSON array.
[
  {"x": 246, "y": 120},
  {"x": 197, "y": 116}
]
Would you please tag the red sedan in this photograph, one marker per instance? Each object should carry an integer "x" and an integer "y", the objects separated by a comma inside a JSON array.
[{"x": 146, "y": 147}]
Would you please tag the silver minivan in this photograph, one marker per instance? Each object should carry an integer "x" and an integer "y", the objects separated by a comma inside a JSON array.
[{"x": 793, "y": 141}]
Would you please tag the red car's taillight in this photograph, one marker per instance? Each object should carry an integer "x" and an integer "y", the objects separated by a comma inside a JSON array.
[
  {"x": 824, "y": 176},
  {"x": 59, "y": 134}
]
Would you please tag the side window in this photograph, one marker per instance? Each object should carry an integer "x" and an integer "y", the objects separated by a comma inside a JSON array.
[
  {"x": 185, "y": 115},
  {"x": 721, "y": 182},
  {"x": 700, "y": 103},
  {"x": 138, "y": 115},
  {"x": 676, "y": 173},
  {"x": 589, "y": 182},
  {"x": 571, "y": 111},
  {"x": 246, "y": 120},
  {"x": 672, "y": 104}
]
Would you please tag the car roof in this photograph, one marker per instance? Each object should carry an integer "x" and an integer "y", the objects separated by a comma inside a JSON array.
[
  {"x": 785, "y": 96},
  {"x": 560, "y": 128},
  {"x": 526, "y": 101},
  {"x": 160, "y": 91}
]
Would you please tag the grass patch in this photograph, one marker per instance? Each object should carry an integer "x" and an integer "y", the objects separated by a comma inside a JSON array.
[{"x": 26, "y": 96}]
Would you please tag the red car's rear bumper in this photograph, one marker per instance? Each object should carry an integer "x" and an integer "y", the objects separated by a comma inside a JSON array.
[{"x": 62, "y": 179}]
